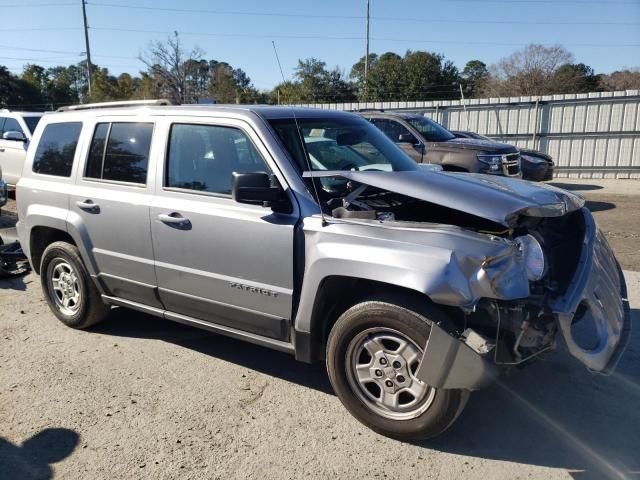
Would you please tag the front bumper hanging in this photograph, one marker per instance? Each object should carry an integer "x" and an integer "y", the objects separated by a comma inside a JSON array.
[
  {"x": 597, "y": 296},
  {"x": 449, "y": 362}
]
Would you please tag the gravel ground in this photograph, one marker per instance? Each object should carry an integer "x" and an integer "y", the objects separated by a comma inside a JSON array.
[{"x": 140, "y": 397}]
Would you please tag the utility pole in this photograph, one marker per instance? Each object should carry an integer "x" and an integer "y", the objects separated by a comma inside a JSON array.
[
  {"x": 464, "y": 106},
  {"x": 86, "y": 44},
  {"x": 366, "y": 49}
]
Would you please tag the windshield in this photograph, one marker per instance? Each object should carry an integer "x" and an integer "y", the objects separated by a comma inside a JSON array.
[
  {"x": 340, "y": 144},
  {"x": 432, "y": 131},
  {"x": 31, "y": 122}
]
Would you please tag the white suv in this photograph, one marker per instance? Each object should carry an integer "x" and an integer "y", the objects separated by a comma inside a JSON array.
[{"x": 16, "y": 129}]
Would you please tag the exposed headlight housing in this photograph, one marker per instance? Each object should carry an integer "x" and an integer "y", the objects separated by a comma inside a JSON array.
[
  {"x": 493, "y": 162},
  {"x": 532, "y": 159},
  {"x": 533, "y": 254}
]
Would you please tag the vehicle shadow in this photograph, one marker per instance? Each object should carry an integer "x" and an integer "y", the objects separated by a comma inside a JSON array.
[
  {"x": 31, "y": 460},
  {"x": 576, "y": 186},
  {"x": 13, "y": 283},
  {"x": 123, "y": 322},
  {"x": 553, "y": 413},
  {"x": 594, "y": 206},
  {"x": 557, "y": 414}
]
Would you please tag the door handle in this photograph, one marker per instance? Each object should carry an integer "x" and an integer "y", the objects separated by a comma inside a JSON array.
[
  {"x": 173, "y": 218},
  {"x": 88, "y": 205}
]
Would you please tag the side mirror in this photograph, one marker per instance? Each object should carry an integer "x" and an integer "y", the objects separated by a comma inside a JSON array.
[
  {"x": 15, "y": 136},
  {"x": 406, "y": 138},
  {"x": 256, "y": 188}
]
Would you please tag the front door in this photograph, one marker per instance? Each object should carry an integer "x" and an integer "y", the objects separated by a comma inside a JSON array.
[
  {"x": 110, "y": 203},
  {"x": 402, "y": 137},
  {"x": 218, "y": 260}
]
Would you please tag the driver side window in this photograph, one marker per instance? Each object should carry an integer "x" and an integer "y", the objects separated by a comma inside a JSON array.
[
  {"x": 392, "y": 129},
  {"x": 203, "y": 157},
  {"x": 12, "y": 125}
]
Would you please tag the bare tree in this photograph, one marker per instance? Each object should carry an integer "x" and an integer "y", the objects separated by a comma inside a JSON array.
[
  {"x": 172, "y": 67},
  {"x": 628, "y": 79},
  {"x": 529, "y": 71}
]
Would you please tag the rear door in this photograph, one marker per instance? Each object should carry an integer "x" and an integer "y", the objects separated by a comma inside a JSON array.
[
  {"x": 12, "y": 152},
  {"x": 110, "y": 205},
  {"x": 218, "y": 260}
]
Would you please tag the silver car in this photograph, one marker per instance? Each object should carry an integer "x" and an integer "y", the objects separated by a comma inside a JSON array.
[{"x": 310, "y": 232}]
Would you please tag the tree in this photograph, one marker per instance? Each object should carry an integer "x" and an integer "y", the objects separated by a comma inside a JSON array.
[
  {"x": 223, "y": 86},
  {"x": 416, "y": 76},
  {"x": 318, "y": 84},
  {"x": 529, "y": 71},
  {"x": 14, "y": 91},
  {"x": 313, "y": 82},
  {"x": 628, "y": 79},
  {"x": 171, "y": 66},
  {"x": 474, "y": 75},
  {"x": 575, "y": 78}
]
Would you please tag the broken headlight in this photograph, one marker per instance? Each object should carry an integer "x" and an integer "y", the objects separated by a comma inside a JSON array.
[
  {"x": 493, "y": 162},
  {"x": 533, "y": 254}
]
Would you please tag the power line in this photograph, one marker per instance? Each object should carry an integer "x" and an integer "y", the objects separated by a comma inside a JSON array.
[
  {"x": 39, "y": 29},
  {"x": 360, "y": 17},
  {"x": 18, "y": 5},
  {"x": 36, "y": 49},
  {"x": 45, "y": 60},
  {"x": 345, "y": 38},
  {"x": 580, "y": 2},
  {"x": 11, "y": 47}
]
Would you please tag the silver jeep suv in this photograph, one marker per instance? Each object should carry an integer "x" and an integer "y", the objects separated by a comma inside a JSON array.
[{"x": 310, "y": 232}]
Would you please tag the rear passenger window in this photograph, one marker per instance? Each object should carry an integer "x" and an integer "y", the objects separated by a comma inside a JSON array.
[
  {"x": 203, "y": 157},
  {"x": 120, "y": 152},
  {"x": 56, "y": 149}
]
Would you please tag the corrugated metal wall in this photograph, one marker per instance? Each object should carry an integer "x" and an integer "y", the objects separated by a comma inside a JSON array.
[{"x": 590, "y": 135}]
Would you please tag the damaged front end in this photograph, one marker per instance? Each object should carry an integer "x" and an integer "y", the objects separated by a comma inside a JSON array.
[{"x": 549, "y": 270}]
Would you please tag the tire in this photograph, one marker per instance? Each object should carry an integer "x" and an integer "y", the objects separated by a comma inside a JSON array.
[
  {"x": 379, "y": 324},
  {"x": 64, "y": 277}
]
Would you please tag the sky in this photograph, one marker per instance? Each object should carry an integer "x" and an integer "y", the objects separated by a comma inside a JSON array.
[{"x": 604, "y": 34}]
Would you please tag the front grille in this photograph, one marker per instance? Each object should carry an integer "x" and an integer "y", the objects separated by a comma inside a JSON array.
[{"x": 511, "y": 164}]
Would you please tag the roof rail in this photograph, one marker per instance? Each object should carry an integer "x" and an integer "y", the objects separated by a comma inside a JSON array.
[{"x": 123, "y": 103}]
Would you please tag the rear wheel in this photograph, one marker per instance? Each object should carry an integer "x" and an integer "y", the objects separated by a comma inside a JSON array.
[
  {"x": 68, "y": 288},
  {"x": 373, "y": 354}
]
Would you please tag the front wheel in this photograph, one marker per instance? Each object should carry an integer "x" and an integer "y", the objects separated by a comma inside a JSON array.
[{"x": 373, "y": 353}]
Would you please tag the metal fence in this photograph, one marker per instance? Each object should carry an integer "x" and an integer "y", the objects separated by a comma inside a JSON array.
[{"x": 589, "y": 135}]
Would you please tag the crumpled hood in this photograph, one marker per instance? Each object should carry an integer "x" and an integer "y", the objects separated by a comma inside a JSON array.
[
  {"x": 478, "y": 144},
  {"x": 499, "y": 199}
]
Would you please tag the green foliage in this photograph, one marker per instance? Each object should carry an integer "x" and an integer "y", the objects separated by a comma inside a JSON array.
[
  {"x": 416, "y": 76},
  {"x": 14, "y": 91},
  {"x": 473, "y": 76},
  {"x": 314, "y": 83},
  {"x": 186, "y": 77},
  {"x": 575, "y": 78}
]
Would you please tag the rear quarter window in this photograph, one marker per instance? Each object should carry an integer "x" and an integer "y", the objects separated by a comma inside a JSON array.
[{"x": 56, "y": 149}]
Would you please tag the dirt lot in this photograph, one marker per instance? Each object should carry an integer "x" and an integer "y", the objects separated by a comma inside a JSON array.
[{"x": 140, "y": 397}]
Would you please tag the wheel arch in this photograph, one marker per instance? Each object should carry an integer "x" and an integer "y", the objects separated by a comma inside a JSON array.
[
  {"x": 40, "y": 238},
  {"x": 336, "y": 294}
]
